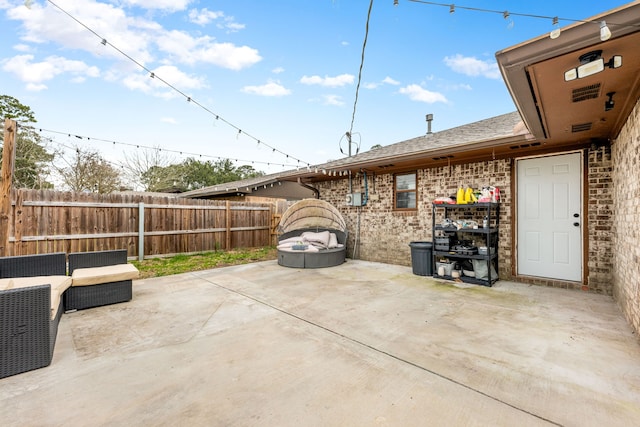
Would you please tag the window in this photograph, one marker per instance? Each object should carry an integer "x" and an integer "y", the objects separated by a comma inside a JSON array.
[{"x": 405, "y": 190}]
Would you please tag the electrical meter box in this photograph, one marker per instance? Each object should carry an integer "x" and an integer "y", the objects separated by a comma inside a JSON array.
[{"x": 354, "y": 199}]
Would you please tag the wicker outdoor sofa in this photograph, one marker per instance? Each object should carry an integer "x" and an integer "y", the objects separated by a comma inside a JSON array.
[
  {"x": 35, "y": 290},
  {"x": 99, "y": 278},
  {"x": 29, "y": 314}
]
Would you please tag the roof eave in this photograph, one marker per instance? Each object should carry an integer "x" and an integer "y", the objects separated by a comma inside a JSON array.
[{"x": 513, "y": 61}]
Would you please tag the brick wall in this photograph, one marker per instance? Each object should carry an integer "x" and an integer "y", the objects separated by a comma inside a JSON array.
[
  {"x": 599, "y": 215},
  {"x": 626, "y": 230},
  {"x": 384, "y": 235}
]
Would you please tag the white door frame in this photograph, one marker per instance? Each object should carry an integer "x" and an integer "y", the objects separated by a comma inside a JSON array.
[{"x": 583, "y": 210}]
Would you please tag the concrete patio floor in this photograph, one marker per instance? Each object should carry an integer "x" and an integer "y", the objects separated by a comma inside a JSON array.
[{"x": 362, "y": 344}]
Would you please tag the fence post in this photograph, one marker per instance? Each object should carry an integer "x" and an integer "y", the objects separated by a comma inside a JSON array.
[
  {"x": 8, "y": 161},
  {"x": 141, "y": 231},
  {"x": 228, "y": 233}
]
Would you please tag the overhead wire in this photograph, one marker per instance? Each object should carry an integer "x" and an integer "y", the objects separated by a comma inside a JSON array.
[
  {"x": 364, "y": 46},
  {"x": 189, "y": 99}
]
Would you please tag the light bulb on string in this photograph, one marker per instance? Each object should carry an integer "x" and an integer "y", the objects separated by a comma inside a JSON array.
[
  {"x": 507, "y": 17},
  {"x": 605, "y": 32},
  {"x": 555, "y": 33}
]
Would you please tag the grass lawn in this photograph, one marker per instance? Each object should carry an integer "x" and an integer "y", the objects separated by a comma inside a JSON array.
[{"x": 156, "y": 267}]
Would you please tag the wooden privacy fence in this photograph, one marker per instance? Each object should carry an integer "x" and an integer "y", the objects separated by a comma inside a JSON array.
[{"x": 44, "y": 221}]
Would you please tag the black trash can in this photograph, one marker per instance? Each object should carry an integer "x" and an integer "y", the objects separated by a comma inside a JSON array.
[{"x": 421, "y": 258}]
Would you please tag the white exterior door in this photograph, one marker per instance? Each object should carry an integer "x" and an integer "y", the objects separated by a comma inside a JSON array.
[{"x": 549, "y": 217}]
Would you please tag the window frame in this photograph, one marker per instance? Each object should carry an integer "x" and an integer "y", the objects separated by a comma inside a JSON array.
[{"x": 396, "y": 191}]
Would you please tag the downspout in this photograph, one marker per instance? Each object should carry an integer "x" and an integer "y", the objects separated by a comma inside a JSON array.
[{"x": 315, "y": 190}]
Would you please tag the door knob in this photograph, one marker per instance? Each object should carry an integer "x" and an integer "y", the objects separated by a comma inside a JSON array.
[
  {"x": 576, "y": 224},
  {"x": 575, "y": 215}
]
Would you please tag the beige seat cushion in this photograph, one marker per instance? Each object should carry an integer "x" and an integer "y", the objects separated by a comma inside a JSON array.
[
  {"x": 59, "y": 284},
  {"x": 6, "y": 284},
  {"x": 97, "y": 275}
]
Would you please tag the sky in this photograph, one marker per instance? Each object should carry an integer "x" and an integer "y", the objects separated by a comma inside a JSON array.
[{"x": 271, "y": 84}]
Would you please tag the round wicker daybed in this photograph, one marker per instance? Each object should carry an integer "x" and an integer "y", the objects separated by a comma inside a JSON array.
[{"x": 314, "y": 235}]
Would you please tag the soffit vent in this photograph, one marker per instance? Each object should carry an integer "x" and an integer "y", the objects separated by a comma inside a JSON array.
[
  {"x": 581, "y": 127},
  {"x": 533, "y": 144},
  {"x": 584, "y": 93},
  {"x": 443, "y": 157}
]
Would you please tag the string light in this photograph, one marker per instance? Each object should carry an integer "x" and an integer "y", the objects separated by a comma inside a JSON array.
[
  {"x": 169, "y": 85},
  {"x": 146, "y": 147},
  {"x": 605, "y": 33}
]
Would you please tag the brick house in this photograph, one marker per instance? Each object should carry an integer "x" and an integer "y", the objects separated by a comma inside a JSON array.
[{"x": 567, "y": 163}]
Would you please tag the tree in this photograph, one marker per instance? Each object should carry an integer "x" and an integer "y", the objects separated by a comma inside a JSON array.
[
  {"x": 193, "y": 174},
  {"x": 164, "y": 178},
  {"x": 88, "y": 171},
  {"x": 32, "y": 159},
  {"x": 140, "y": 169}
]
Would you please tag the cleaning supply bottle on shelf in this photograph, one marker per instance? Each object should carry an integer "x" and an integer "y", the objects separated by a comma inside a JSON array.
[
  {"x": 460, "y": 196},
  {"x": 469, "y": 196}
]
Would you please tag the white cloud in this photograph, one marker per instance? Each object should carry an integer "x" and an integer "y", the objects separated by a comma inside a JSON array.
[
  {"x": 337, "y": 81},
  {"x": 169, "y": 120},
  {"x": 472, "y": 66},
  {"x": 168, "y": 73},
  {"x": 388, "y": 80},
  {"x": 138, "y": 37},
  {"x": 46, "y": 24},
  {"x": 332, "y": 100},
  {"x": 21, "y": 47},
  {"x": 231, "y": 26},
  {"x": 418, "y": 93},
  {"x": 35, "y": 73},
  {"x": 169, "y": 5},
  {"x": 278, "y": 70},
  {"x": 460, "y": 86},
  {"x": 269, "y": 89},
  {"x": 204, "y": 16},
  {"x": 32, "y": 87},
  {"x": 189, "y": 50}
]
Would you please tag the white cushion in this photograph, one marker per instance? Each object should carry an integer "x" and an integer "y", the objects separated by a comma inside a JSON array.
[
  {"x": 333, "y": 241},
  {"x": 321, "y": 238},
  {"x": 107, "y": 274}
]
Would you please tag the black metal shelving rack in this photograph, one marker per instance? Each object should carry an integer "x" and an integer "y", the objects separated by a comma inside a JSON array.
[{"x": 489, "y": 234}]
